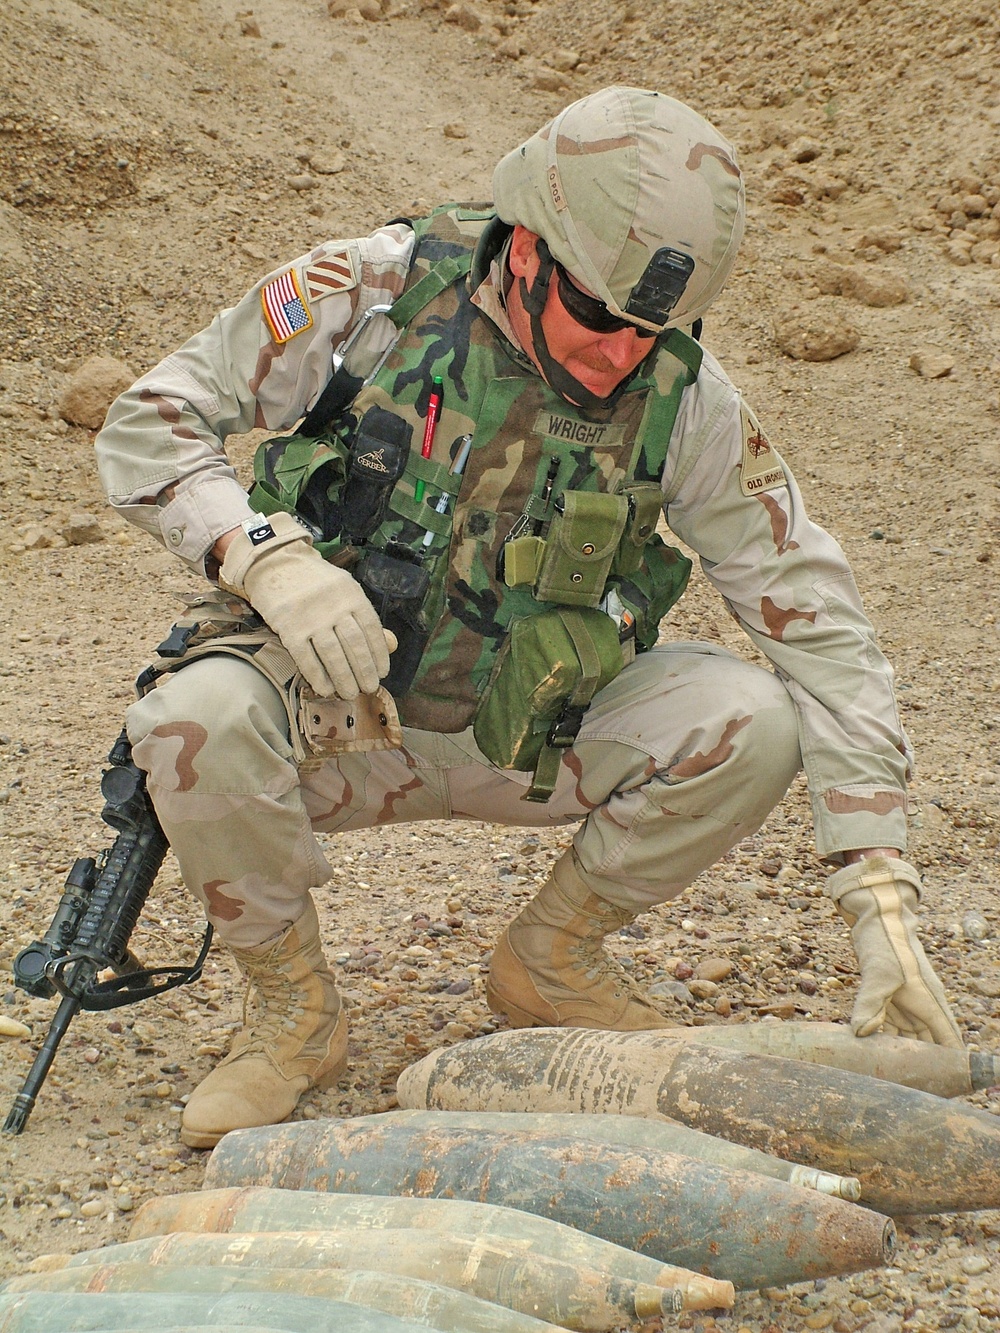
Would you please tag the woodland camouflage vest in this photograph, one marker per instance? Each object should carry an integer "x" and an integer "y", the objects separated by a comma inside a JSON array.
[{"x": 531, "y": 452}]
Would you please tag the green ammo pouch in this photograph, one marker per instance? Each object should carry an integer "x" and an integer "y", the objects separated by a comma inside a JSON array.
[
  {"x": 580, "y": 545},
  {"x": 302, "y": 476},
  {"x": 547, "y": 671}
]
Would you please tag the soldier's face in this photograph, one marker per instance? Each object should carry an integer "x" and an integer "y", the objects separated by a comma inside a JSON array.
[{"x": 600, "y": 361}]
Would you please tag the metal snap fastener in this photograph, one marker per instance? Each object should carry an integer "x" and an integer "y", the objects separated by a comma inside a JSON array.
[
  {"x": 350, "y": 720},
  {"x": 587, "y": 548},
  {"x": 576, "y": 578}
]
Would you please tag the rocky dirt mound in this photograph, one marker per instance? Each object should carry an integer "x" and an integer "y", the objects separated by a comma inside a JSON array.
[{"x": 156, "y": 158}]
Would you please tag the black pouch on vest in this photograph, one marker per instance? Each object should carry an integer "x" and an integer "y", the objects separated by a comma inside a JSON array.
[
  {"x": 378, "y": 458},
  {"x": 396, "y": 589}
]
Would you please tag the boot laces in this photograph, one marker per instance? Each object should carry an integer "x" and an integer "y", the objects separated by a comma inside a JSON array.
[
  {"x": 593, "y": 959},
  {"x": 278, "y": 1001}
]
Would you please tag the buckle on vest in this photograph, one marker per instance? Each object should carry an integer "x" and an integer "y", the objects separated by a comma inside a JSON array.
[{"x": 566, "y": 727}]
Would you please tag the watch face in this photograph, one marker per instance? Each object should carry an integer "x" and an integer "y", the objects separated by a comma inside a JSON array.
[{"x": 258, "y": 530}]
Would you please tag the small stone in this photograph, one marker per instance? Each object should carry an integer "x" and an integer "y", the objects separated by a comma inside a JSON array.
[
  {"x": 713, "y": 969},
  {"x": 455, "y": 129},
  {"x": 92, "y": 389},
  {"x": 124, "y": 1203},
  {"x": 92, "y": 1208},
  {"x": 249, "y": 27},
  {"x": 974, "y": 1264},
  {"x": 875, "y": 289},
  {"x": 82, "y": 530},
  {"x": 563, "y": 61},
  {"x": 814, "y": 337},
  {"x": 549, "y": 81},
  {"x": 975, "y": 926},
  {"x": 703, "y": 990},
  {"x": 930, "y": 364},
  {"x": 459, "y": 987},
  {"x": 35, "y": 537},
  {"x": 10, "y": 1027},
  {"x": 302, "y": 182},
  {"x": 674, "y": 990},
  {"x": 92, "y": 1055},
  {"x": 464, "y": 16},
  {"x": 804, "y": 150}
]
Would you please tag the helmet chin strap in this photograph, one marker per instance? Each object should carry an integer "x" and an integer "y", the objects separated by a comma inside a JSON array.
[{"x": 558, "y": 377}]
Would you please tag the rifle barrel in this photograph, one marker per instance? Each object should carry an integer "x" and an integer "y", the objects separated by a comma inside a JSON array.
[{"x": 25, "y": 1099}]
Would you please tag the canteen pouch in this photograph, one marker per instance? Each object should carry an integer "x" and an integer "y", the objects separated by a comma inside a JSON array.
[
  {"x": 580, "y": 546},
  {"x": 548, "y": 669},
  {"x": 396, "y": 589}
]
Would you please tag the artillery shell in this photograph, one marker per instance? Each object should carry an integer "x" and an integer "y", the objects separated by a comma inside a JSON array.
[
  {"x": 261, "y": 1209},
  {"x": 410, "y": 1298},
  {"x": 914, "y": 1064},
  {"x": 624, "y": 1131},
  {"x": 913, "y": 1152},
  {"x": 504, "y": 1272},
  {"x": 730, "y": 1224},
  {"x": 46, "y": 1311}
]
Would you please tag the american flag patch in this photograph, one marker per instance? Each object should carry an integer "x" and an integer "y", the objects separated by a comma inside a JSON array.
[
  {"x": 333, "y": 273},
  {"x": 284, "y": 309}
]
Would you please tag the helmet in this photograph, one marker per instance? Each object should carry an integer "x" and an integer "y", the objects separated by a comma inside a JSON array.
[{"x": 637, "y": 196}]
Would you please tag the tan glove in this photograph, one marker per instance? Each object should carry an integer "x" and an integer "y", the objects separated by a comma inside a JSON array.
[
  {"x": 319, "y": 612},
  {"x": 899, "y": 992}
]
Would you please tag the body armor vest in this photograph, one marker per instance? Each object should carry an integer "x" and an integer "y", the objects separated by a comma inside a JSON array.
[{"x": 552, "y": 506}]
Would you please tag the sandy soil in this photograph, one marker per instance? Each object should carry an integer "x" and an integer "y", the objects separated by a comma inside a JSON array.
[{"x": 156, "y": 158}]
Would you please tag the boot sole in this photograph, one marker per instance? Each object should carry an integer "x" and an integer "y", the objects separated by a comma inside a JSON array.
[
  {"x": 209, "y": 1138},
  {"x": 518, "y": 1017}
]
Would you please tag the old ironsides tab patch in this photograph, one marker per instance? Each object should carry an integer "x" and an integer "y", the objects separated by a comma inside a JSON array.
[
  {"x": 759, "y": 469},
  {"x": 284, "y": 309},
  {"x": 333, "y": 273},
  {"x": 589, "y": 433}
]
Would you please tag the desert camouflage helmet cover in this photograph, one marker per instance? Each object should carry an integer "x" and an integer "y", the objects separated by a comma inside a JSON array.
[{"x": 619, "y": 175}]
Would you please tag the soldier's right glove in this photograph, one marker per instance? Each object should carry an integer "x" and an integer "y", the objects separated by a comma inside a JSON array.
[
  {"x": 319, "y": 612},
  {"x": 900, "y": 992}
]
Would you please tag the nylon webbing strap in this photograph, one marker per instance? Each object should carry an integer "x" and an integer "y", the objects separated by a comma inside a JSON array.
[{"x": 543, "y": 780}]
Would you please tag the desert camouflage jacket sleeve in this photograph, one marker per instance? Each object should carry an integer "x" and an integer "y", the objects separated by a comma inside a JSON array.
[
  {"x": 260, "y": 364},
  {"x": 730, "y": 497}
]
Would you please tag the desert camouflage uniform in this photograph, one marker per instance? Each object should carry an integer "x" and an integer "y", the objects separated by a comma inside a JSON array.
[{"x": 682, "y": 755}]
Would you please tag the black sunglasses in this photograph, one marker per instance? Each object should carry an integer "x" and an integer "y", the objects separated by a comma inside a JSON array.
[{"x": 589, "y": 311}]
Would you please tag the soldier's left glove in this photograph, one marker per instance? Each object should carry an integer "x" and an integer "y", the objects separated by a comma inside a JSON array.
[{"x": 899, "y": 992}]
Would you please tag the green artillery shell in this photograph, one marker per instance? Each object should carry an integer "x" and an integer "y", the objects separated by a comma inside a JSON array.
[
  {"x": 504, "y": 1272},
  {"x": 912, "y": 1151},
  {"x": 407, "y": 1298},
  {"x": 47, "y": 1311},
  {"x": 635, "y": 1131},
  {"x": 914, "y": 1064},
  {"x": 261, "y": 1209},
  {"x": 748, "y": 1229}
]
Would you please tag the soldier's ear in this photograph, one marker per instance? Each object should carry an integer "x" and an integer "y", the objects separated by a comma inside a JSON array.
[{"x": 523, "y": 255}]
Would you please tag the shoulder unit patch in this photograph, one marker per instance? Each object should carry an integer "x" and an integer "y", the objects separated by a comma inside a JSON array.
[
  {"x": 333, "y": 273},
  {"x": 759, "y": 469},
  {"x": 285, "y": 311}
]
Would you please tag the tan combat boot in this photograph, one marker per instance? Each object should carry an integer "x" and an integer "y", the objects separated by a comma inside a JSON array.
[
  {"x": 298, "y": 1039},
  {"x": 549, "y": 969}
]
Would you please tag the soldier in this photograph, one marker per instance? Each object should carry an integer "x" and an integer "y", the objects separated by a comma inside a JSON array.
[{"x": 576, "y": 405}]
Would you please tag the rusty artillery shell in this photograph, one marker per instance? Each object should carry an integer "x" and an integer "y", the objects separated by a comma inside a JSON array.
[
  {"x": 409, "y": 1298},
  {"x": 914, "y": 1064},
  {"x": 635, "y": 1131},
  {"x": 747, "y": 1229},
  {"x": 257, "y": 1208},
  {"x": 913, "y": 1152},
  {"x": 48, "y": 1311},
  {"x": 505, "y": 1272}
]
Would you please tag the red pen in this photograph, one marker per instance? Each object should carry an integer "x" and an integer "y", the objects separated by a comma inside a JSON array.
[{"x": 430, "y": 426}]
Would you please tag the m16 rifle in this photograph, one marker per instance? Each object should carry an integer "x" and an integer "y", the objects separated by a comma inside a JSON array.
[{"x": 93, "y": 923}]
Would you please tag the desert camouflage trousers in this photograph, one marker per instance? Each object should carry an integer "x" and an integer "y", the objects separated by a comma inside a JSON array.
[{"x": 682, "y": 755}]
